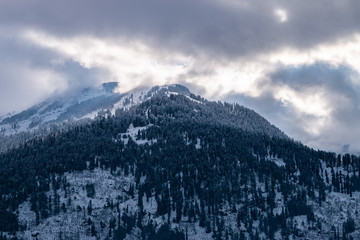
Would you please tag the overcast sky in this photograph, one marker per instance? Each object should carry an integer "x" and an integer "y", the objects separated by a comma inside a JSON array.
[{"x": 295, "y": 62}]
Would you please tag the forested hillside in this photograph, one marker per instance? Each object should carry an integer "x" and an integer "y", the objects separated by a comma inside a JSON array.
[{"x": 177, "y": 167}]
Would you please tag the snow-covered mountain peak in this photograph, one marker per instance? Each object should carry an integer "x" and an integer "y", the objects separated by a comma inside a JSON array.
[
  {"x": 104, "y": 100},
  {"x": 86, "y": 103}
]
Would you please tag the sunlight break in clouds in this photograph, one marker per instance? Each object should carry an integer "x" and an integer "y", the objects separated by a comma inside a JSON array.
[
  {"x": 281, "y": 14},
  {"x": 344, "y": 51}
]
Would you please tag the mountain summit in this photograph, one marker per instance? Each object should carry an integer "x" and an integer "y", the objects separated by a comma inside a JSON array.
[
  {"x": 92, "y": 102},
  {"x": 84, "y": 104}
]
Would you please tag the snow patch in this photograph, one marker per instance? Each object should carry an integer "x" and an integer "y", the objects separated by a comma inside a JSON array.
[
  {"x": 135, "y": 134},
  {"x": 198, "y": 143},
  {"x": 278, "y": 161}
]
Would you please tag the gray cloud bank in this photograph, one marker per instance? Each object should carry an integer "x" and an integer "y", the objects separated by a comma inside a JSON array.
[{"x": 230, "y": 28}]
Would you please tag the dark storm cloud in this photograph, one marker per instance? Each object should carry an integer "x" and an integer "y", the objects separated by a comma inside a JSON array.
[
  {"x": 318, "y": 74},
  {"x": 220, "y": 28}
]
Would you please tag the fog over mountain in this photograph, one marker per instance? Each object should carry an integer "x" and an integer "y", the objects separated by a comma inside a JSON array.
[{"x": 294, "y": 62}]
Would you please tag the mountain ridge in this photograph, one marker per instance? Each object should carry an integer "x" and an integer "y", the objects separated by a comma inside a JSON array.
[
  {"x": 92, "y": 102},
  {"x": 86, "y": 103}
]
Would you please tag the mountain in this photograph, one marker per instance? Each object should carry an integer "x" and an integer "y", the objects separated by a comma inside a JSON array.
[
  {"x": 176, "y": 166},
  {"x": 85, "y": 104},
  {"x": 89, "y": 103}
]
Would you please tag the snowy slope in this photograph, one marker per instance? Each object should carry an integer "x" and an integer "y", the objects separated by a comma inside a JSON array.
[
  {"x": 86, "y": 104},
  {"x": 110, "y": 195}
]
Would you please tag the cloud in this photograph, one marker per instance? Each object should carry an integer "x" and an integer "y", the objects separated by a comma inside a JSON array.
[
  {"x": 21, "y": 89},
  {"x": 222, "y": 28},
  {"x": 318, "y": 104},
  {"x": 29, "y": 74},
  {"x": 296, "y": 62},
  {"x": 281, "y": 14}
]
